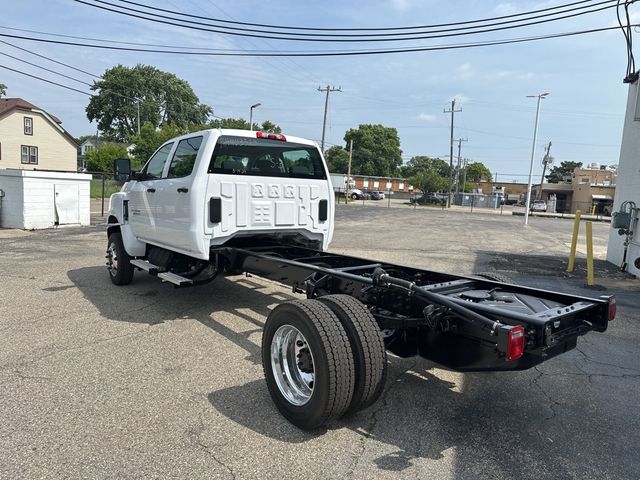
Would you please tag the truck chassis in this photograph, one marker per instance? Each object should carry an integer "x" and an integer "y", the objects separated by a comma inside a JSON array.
[{"x": 326, "y": 355}]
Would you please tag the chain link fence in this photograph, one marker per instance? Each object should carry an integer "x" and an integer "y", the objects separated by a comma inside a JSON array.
[{"x": 102, "y": 186}]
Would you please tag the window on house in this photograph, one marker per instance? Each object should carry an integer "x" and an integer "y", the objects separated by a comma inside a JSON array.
[
  {"x": 584, "y": 179},
  {"x": 29, "y": 155},
  {"x": 28, "y": 126}
]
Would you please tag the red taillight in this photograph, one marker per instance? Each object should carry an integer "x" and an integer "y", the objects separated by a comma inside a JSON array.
[
  {"x": 271, "y": 136},
  {"x": 611, "y": 313},
  {"x": 515, "y": 343}
]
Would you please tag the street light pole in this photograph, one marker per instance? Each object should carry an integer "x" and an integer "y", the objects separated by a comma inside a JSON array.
[
  {"x": 251, "y": 115},
  {"x": 533, "y": 154}
]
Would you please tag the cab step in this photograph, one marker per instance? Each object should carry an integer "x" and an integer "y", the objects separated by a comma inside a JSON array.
[
  {"x": 147, "y": 266},
  {"x": 175, "y": 279}
]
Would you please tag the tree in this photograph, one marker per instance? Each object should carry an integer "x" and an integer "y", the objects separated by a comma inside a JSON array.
[
  {"x": 376, "y": 150},
  {"x": 150, "y": 140},
  {"x": 101, "y": 159},
  {"x": 162, "y": 97},
  {"x": 559, "y": 172},
  {"x": 429, "y": 181},
  {"x": 421, "y": 163},
  {"x": 477, "y": 172},
  {"x": 237, "y": 123},
  {"x": 268, "y": 126},
  {"x": 3, "y": 90},
  {"x": 337, "y": 159}
]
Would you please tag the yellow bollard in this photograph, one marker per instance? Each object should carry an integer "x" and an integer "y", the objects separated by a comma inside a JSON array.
[
  {"x": 590, "y": 274},
  {"x": 574, "y": 241}
]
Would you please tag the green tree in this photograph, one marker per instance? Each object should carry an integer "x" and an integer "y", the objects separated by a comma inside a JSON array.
[
  {"x": 477, "y": 171},
  {"x": 559, "y": 172},
  {"x": 163, "y": 98},
  {"x": 425, "y": 164},
  {"x": 237, "y": 123},
  {"x": 268, "y": 126},
  {"x": 3, "y": 90},
  {"x": 337, "y": 159},
  {"x": 376, "y": 150},
  {"x": 429, "y": 181},
  {"x": 101, "y": 159},
  {"x": 151, "y": 138}
]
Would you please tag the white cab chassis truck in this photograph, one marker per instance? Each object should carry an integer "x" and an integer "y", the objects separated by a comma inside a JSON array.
[{"x": 225, "y": 202}]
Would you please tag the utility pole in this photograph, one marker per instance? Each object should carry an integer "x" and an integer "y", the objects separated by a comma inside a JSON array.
[
  {"x": 547, "y": 160},
  {"x": 533, "y": 154},
  {"x": 460, "y": 140},
  {"x": 328, "y": 90},
  {"x": 453, "y": 111},
  {"x": 346, "y": 196},
  {"x": 464, "y": 178}
]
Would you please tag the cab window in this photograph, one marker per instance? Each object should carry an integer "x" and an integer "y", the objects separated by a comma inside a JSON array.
[
  {"x": 185, "y": 157},
  {"x": 155, "y": 166}
]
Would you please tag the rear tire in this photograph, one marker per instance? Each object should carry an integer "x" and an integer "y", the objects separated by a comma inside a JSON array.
[
  {"x": 118, "y": 261},
  {"x": 369, "y": 354},
  {"x": 496, "y": 277},
  {"x": 308, "y": 363}
]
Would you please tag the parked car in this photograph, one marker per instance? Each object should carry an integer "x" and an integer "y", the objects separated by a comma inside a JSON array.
[
  {"x": 429, "y": 199},
  {"x": 375, "y": 194},
  {"x": 357, "y": 194},
  {"x": 538, "y": 206}
]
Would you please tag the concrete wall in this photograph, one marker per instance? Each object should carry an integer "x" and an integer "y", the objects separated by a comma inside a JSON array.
[
  {"x": 628, "y": 182},
  {"x": 55, "y": 150},
  {"x": 29, "y": 200}
]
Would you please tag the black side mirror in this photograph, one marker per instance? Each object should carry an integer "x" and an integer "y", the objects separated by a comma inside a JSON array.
[{"x": 122, "y": 169}]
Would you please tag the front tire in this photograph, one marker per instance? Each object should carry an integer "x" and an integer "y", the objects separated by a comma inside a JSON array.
[
  {"x": 118, "y": 261},
  {"x": 308, "y": 363},
  {"x": 354, "y": 196}
]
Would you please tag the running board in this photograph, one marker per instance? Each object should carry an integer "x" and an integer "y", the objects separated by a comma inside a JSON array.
[
  {"x": 175, "y": 279},
  {"x": 147, "y": 266}
]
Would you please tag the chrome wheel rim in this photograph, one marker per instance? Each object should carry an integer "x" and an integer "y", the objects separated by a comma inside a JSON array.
[
  {"x": 292, "y": 365},
  {"x": 112, "y": 259}
]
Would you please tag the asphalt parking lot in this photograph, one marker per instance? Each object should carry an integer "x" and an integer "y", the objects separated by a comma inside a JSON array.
[{"x": 146, "y": 381}]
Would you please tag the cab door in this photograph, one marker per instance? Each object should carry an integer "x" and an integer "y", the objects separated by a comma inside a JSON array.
[
  {"x": 144, "y": 203},
  {"x": 176, "y": 225}
]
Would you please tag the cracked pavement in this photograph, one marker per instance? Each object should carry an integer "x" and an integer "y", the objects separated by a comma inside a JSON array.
[{"x": 147, "y": 381}]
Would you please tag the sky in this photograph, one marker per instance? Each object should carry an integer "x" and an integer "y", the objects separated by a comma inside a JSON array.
[{"x": 582, "y": 116}]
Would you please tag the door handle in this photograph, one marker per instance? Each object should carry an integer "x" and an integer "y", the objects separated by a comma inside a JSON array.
[
  {"x": 183, "y": 190},
  {"x": 151, "y": 190}
]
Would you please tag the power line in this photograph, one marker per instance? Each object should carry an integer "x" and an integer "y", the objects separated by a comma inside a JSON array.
[
  {"x": 325, "y": 53},
  {"x": 45, "y": 69},
  {"x": 157, "y": 18},
  {"x": 45, "y": 80},
  {"x": 416, "y": 27}
]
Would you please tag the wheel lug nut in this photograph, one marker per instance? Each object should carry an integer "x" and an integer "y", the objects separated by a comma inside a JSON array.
[{"x": 299, "y": 343}]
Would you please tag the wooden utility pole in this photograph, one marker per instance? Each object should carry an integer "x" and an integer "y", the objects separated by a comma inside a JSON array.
[
  {"x": 547, "y": 160},
  {"x": 328, "y": 90},
  {"x": 460, "y": 140},
  {"x": 346, "y": 197},
  {"x": 453, "y": 111}
]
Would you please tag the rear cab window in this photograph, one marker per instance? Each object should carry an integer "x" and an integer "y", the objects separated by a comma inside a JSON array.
[
  {"x": 184, "y": 157},
  {"x": 266, "y": 158}
]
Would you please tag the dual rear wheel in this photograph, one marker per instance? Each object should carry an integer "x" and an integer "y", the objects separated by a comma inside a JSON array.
[{"x": 322, "y": 359}]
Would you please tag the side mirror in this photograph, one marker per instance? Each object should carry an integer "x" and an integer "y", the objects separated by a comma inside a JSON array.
[{"x": 122, "y": 169}]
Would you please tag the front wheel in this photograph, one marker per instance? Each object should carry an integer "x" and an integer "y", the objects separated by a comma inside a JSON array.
[
  {"x": 354, "y": 196},
  {"x": 308, "y": 363},
  {"x": 118, "y": 261}
]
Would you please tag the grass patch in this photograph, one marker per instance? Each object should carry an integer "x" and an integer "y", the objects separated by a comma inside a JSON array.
[{"x": 110, "y": 187}]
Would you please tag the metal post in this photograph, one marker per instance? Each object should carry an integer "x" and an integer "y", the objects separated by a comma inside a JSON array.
[
  {"x": 574, "y": 241},
  {"x": 590, "y": 274},
  {"x": 533, "y": 154},
  {"x": 138, "y": 106},
  {"x": 251, "y": 115},
  {"x": 103, "y": 180}
]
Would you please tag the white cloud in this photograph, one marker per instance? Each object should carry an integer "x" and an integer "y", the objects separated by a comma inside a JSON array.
[
  {"x": 403, "y": 5},
  {"x": 427, "y": 117},
  {"x": 465, "y": 71}
]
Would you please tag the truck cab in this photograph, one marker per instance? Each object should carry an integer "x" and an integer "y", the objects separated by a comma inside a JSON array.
[{"x": 212, "y": 187}]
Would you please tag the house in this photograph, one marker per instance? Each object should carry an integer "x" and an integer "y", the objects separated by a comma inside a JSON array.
[
  {"x": 93, "y": 143},
  {"x": 31, "y": 138}
]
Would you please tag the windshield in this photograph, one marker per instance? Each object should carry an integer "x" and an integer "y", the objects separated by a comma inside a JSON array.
[{"x": 265, "y": 158}]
